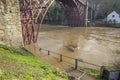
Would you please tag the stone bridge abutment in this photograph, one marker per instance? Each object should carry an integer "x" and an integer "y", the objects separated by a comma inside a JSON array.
[{"x": 10, "y": 24}]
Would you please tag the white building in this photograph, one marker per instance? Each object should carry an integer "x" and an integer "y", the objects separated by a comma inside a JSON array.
[{"x": 113, "y": 17}]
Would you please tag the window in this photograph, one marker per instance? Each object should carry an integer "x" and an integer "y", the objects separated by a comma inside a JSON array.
[{"x": 113, "y": 16}]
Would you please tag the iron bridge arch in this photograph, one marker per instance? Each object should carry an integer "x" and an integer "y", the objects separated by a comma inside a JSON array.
[{"x": 32, "y": 13}]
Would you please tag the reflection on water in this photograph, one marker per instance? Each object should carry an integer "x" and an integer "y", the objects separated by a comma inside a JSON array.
[{"x": 95, "y": 45}]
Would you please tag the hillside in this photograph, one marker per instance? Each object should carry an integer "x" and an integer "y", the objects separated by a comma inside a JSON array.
[{"x": 18, "y": 64}]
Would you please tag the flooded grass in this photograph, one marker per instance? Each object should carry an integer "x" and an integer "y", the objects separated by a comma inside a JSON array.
[{"x": 91, "y": 72}]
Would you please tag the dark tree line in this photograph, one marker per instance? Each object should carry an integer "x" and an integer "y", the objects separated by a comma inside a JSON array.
[{"x": 55, "y": 15}]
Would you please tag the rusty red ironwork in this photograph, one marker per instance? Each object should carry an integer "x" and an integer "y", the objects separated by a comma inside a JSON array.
[
  {"x": 32, "y": 15},
  {"x": 76, "y": 14},
  {"x": 33, "y": 12}
]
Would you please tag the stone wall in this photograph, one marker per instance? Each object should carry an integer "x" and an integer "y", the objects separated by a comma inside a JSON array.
[{"x": 10, "y": 26}]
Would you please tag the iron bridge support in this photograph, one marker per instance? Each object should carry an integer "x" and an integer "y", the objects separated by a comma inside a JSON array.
[{"x": 32, "y": 13}]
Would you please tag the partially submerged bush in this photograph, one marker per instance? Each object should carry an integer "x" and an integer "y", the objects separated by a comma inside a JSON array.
[{"x": 116, "y": 62}]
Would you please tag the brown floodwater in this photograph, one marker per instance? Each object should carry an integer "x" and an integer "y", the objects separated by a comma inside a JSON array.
[{"x": 96, "y": 45}]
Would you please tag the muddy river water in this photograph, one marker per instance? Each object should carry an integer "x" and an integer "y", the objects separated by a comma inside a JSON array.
[{"x": 97, "y": 45}]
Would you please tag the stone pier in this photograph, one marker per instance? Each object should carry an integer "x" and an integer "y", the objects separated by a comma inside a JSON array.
[{"x": 10, "y": 25}]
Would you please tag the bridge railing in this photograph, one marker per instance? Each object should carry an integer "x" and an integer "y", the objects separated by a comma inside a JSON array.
[{"x": 76, "y": 62}]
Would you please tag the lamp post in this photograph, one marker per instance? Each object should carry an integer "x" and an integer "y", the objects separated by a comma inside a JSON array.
[{"x": 86, "y": 14}]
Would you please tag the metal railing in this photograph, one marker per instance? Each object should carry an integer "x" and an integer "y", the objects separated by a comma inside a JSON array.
[{"x": 76, "y": 60}]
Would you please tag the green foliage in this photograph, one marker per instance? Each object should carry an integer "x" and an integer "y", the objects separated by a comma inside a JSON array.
[
  {"x": 14, "y": 65},
  {"x": 55, "y": 15}
]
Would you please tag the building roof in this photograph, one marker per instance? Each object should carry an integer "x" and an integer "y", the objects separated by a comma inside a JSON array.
[{"x": 114, "y": 12}]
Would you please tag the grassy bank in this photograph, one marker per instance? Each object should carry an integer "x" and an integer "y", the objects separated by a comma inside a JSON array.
[{"x": 18, "y": 64}]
